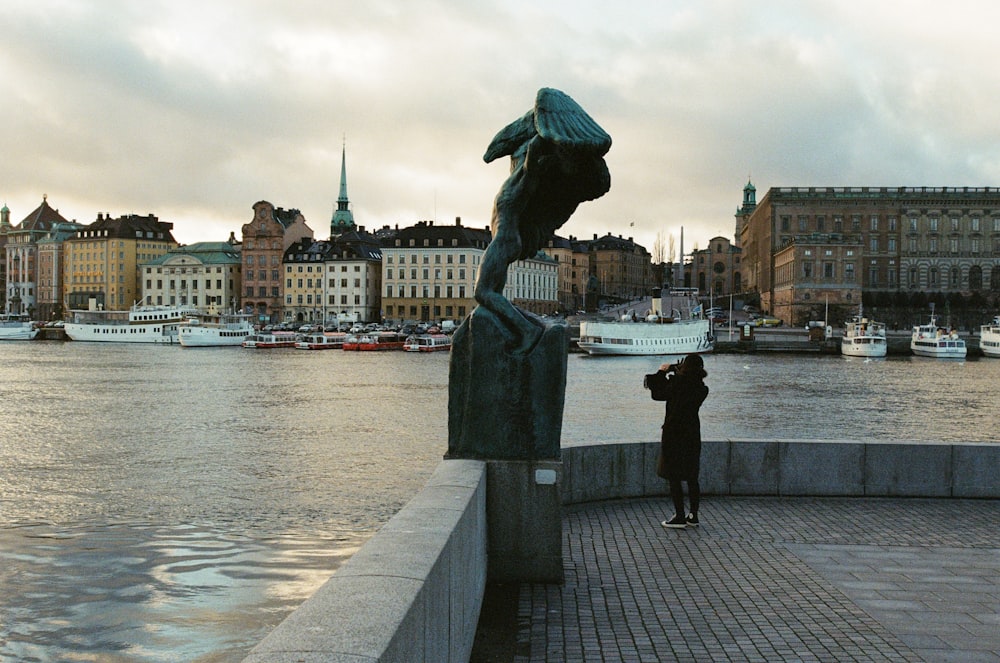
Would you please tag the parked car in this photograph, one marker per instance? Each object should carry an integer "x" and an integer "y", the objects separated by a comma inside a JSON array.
[{"x": 767, "y": 322}]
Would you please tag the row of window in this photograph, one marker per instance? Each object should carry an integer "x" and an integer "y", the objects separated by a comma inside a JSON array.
[
  {"x": 425, "y": 258},
  {"x": 449, "y": 274},
  {"x": 184, "y": 284},
  {"x": 932, "y": 223},
  {"x": 318, "y": 283},
  {"x": 425, "y": 290},
  {"x": 307, "y": 300},
  {"x": 424, "y": 312}
]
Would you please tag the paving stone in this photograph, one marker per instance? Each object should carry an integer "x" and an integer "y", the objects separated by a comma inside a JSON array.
[{"x": 771, "y": 579}]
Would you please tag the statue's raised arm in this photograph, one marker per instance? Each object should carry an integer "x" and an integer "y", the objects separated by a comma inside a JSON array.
[{"x": 557, "y": 162}]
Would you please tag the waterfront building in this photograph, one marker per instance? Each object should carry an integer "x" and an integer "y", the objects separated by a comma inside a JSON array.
[
  {"x": 21, "y": 256},
  {"x": 265, "y": 240},
  {"x": 429, "y": 271},
  {"x": 839, "y": 243},
  {"x": 327, "y": 282},
  {"x": 5, "y": 229},
  {"x": 205, "y": 276},
  {"x": 101, "y": 268},
  {"x": 623, "y": 269},
  {"x": 573, "y": 257},
  {"x": 429, "y": 274},
  {"x": 50, "y": 270},
  {"x": 715, "y": 270}
]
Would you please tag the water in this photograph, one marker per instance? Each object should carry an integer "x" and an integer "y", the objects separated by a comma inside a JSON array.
[{"x": 172, "y": 504}]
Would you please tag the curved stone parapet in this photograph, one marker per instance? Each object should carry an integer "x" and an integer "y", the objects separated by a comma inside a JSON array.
[
  {"x": 414, "y": 591},
  {"x": 791, "y": 467}
]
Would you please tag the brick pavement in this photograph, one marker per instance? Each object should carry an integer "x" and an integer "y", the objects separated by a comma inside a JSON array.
[{"x": 771, "y": 579}]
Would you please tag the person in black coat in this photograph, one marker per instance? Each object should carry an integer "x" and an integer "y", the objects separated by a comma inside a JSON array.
[{"x": 683, "y": 388}]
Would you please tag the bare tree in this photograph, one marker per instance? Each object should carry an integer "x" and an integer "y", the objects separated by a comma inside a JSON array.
[{"x": 659, "y": 249}]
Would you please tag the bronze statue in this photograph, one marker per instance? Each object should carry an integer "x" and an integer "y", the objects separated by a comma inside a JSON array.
[
  {"x": 507, "y": 377},
  {"x": 557, "y": 162}
]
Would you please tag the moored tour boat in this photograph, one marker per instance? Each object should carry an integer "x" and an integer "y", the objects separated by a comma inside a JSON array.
[
  {"x": 212, "y": 331},
  {"x": 683, "y": 332},
  {"x": 989, "y": 338},
  {"x": 932, "y": 341},
  {"x": 140, "y": 324},
  {"x": 15, "y": 327},
  {"x": 375, "y": 341},
  {"x": 863, "y": 338},
  {"x": 322, "y": 341},
  {"x": 427, "y": 343},
  {"x": 267, "y": 340}
]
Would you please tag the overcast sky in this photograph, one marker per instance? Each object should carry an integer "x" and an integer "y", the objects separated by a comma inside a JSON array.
[{"x": 195, "y": 110}]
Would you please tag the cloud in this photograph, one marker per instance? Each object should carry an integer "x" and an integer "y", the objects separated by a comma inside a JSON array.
[{"x": 195, "y": 110}]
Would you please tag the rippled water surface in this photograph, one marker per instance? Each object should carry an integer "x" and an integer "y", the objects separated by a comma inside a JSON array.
[{"x": 172, "y": 504}]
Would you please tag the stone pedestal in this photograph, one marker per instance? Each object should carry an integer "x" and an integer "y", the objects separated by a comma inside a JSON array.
[
  {"x": 506, "y": 407},
  {"x": 501, "y": 404},
  {"x": 524, "y": 521}
]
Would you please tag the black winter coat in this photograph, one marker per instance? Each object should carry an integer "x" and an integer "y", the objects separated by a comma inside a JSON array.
[{"x": 680, "y": 441}]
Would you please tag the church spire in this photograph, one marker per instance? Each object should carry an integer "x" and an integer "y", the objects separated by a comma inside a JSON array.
[{"x": 343, "y": 219}]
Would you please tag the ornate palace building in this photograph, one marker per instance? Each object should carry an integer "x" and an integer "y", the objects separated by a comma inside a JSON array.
[
  {"x": 20, "y": 256},
  {"x": 804, "y": 247},
  {"x": 265, "y": 239}
]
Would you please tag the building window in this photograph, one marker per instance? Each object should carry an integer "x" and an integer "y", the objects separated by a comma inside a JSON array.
[
  {"x": 933, "y": 277},
  {"x": 955, "y": 278},
  {"x": 913, "y": 224},
  {"x": 873, "y": 244},
  {"x": 892, "y": 224},
  {"x": 954, "y": 224},
  {"x": 873, "y": 277},
  {"x": 874, "y": 223},
  {"x": 892, "y": 245},
  {"x": 933, "y": 223},
  {"x": 914, "y": 281},
  {"x": 828, "y": 270},
  {"x": 953, "y": 244},
  {"x": 932, "y": 244},
  {"x": 849, "y": 272},
  {"x": 975, "y": 224}
]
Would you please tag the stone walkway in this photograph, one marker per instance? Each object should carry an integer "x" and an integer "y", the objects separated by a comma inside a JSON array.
[{"x": 771, "y": 579}]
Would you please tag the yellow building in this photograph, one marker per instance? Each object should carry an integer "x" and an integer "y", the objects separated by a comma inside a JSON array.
[
  {"x": 102, "y": 260},
  {"x": 574, "y": 271}
]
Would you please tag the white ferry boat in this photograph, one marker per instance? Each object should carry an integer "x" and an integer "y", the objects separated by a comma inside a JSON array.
[
  {"x": 989, "y": 338},
  {"x": 863, "y": 338},
  {"x": 930, "y": 340},
  {"x": 427, "y": 343},
  {"x": 214, "y": 331},
  {"x": 684, "y": 331},
  {"x": 140, "y": 324},
  {"x": 267, "y": 340},
  {"x": 15, "y": 327},
  {"x": 322, "y": 341}
]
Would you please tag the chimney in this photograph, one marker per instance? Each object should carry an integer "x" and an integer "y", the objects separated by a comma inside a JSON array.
[
  {"x": 232, "y": 237},
  {"x": 458, "y": 221},
  {"x": 595, "y": 236}
]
